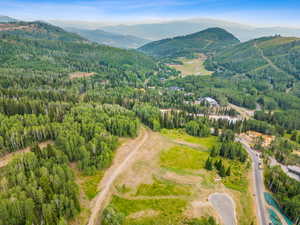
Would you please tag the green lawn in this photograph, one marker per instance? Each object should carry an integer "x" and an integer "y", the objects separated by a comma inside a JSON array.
[
  {"x": 238, "y": 179},
  {"x": 193, "y": 66},
  {"x": 180, "y": 157},
  {"x": 169, "y": 211},
  {"x": 162, "y": 187},
  {"x": 180, "y": 134}
]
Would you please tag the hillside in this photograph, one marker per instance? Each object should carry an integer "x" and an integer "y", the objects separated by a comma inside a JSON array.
[
  {"x": 6, "y": 19},
  {"x": 207, "y": 41},
  {"x": 110, "y": 39},
  {"x": 38, "y": 30},
  {"x": 275, "y": 59},
  {"x": 42, "y": 47}
]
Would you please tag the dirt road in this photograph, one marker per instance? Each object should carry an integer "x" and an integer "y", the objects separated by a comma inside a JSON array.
[
  {"x": 119, "y": 165},
  {"x": 7, "y": 158}
]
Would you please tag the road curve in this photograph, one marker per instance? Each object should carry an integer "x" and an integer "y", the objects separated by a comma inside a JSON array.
[
  {"x": 258, "y": 184},
  {"x": 225, "y": 207},
  {"x": 107, "y": 183}
]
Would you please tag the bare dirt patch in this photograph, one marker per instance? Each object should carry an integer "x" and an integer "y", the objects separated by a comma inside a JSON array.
[
  {"x": 147, "y": 162},
  {"x": 80, "y": 74},
  {"x": 296, "y": 152},
  {"x": 126, "y": 156},
  {"x": 198, "y": 209},
  {"x": 11, "y": 27},
  {"x": 7, "y": 158},
  {"x": 252, "y": 136},
  {"x": 183, "y": 179}
]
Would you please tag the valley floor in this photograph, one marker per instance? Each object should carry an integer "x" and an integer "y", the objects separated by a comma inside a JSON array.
[{"x": 192, "y": 66}]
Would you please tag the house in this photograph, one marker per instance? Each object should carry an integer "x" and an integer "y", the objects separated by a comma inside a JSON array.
[
  {"x": 294, "y": 169},
  {"x": 175, "y": 88},
  {"x": 208, "y": 100}
]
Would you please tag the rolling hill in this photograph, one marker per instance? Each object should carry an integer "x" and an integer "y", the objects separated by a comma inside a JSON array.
[
  {"x": 38, "y": 30},
  {"x": 207, "y": 41},
  {"x": 6, "y": 19},
  {"x": 273, "y": 58},
  {"x": 38, "y": 46},
  {"x": 110, "y": 39}
]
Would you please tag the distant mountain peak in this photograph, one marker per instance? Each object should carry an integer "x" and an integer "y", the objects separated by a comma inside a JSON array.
[{"x": 206, "y": 41}]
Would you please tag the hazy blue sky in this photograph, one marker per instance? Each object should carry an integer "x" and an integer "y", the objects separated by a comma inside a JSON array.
[{"x": 258, "y": 12}]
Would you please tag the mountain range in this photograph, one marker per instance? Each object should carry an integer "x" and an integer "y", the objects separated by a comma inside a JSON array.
[
  {"x": 157, "y": 31},
  {"x": 107, "y": 38},
  {"x": 162, "y": 30}
]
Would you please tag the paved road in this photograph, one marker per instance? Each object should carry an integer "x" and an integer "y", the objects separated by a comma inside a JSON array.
[
  {"x": 225, "y": 207},
  {"x": 258, "y": 184},
  {"x": 109, "y": 178}
]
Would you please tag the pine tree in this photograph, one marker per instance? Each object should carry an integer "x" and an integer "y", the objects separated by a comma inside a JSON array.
[
  {"x": 208, "y": 164},
  {"x": 228, "y": 171},
  {"x": 222, "y": 171}
]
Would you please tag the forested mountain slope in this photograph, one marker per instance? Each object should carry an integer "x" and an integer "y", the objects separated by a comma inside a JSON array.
[
  {"x": 207, "y": 41},
  {"x": 38, "y": 30},
  {"x": 36, "y": 47},
  {"x": 39, "y": 102},
  {"x": 110, "y": 39},
  {"x": 275, "y": 59}
]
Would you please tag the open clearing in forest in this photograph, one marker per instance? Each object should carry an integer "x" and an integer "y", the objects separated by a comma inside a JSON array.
[
  {"x": 167, "y": 183},
  {"x": 192, "y": 66},
  {"x": 95, "y": 190},
  {"x": 10, "y": 27},
  {"x": 80, "y": 75},
  {"x": 7, "y": 158}
]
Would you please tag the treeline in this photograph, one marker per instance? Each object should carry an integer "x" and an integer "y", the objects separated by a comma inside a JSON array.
[
  {"x": 86, "y": 134},
  {"x": 229, "y": 148},
  {"x": 283, "y": 151},
  {"x": 210, "y": 164},
  {"x": 289, "y": 120},
  {"x": 20, "y": 131},
  {"x": 38, "y": 188},
  {"x": 286, "y": 191},
  {"x": 198, "y": 128}
]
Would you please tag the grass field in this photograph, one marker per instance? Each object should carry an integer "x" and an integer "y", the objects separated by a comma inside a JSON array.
[
  {"x": 238, "y": 179},
  {"x": 89, "y": 184},
  {"x": 192, "y": 66},
  {"x": 172, "y": 187},
  {"x": 183, "y": 158},
  {"x": 168, "y": 211},
  {"x": 180, "y": 134},
  {"x": 162, "y": 187}
]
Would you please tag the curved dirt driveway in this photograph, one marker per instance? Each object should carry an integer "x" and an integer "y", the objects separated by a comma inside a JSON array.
[
  {"x": 112, "y": 173},
  {"x": 225, "y": 207}
]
